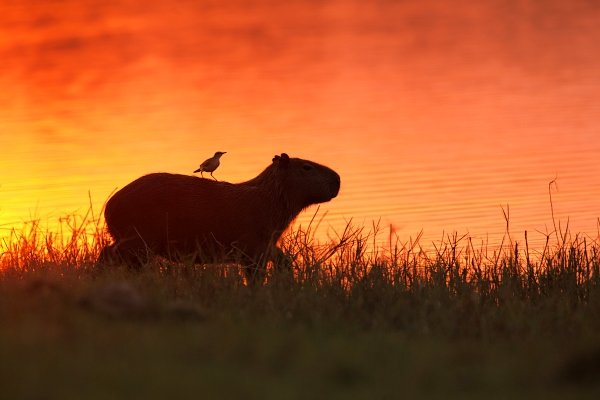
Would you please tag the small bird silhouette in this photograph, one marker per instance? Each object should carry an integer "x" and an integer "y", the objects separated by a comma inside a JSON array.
[{"x": 211, "y": 164}]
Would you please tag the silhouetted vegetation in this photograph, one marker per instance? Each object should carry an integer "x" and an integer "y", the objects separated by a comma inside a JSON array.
[{"x": 352, "y": 318}]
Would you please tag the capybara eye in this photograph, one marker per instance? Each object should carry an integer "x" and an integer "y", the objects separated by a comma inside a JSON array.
[{"x": 307, "y": 167}]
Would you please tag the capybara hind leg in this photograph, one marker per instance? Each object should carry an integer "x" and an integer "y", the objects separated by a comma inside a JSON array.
[
  {"x": 107, "y": 255},
  {"x": 135, "y": 259},
  {"x": 132, "y": 253}
]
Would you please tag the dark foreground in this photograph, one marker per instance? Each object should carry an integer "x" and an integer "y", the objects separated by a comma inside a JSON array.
[{"x": 345, "y": 325}]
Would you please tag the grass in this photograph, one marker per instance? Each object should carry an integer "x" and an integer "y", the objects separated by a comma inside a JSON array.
[{"x": 352, "y": 320}]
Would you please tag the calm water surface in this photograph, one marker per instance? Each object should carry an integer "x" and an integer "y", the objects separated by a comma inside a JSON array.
[{"x": 436, "y": 115}]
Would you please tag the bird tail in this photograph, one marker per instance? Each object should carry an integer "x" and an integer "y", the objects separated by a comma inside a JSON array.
[{"x": 198, "y": 170}]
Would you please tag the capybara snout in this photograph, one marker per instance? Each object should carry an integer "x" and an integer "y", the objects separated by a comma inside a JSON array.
[{"x": 176, "y": 216}]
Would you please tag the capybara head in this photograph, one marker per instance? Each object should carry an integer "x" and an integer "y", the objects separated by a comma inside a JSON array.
[{"x": 304, "y": 181}]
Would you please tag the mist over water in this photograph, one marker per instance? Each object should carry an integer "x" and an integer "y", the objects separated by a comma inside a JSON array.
[{"x": 436, "y": 115}]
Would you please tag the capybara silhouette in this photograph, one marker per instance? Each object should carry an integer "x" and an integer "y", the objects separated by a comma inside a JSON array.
[{"x": 177, "y": 216}]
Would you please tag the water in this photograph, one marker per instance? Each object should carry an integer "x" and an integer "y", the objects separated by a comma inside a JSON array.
[{"x": 437, "y": 116}]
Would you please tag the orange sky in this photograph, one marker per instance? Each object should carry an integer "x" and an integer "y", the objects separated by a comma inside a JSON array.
[{"x": 435, "y": 116}]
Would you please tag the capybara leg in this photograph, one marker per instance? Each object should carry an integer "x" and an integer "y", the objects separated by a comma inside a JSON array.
[
  {"x": 133, "y": 259},
  {"x": 281, "y": 261},
  {"x": 106, "y": 255},
  {"x": 255, "y": 273},
  {"x": 132, "y": 253}
]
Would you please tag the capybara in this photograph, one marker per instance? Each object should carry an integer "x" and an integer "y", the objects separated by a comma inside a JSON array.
[{"x": 178, "y": 216}]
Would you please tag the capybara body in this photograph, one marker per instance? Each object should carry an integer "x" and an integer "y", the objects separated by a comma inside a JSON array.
[{"x": 175, "y": 216}]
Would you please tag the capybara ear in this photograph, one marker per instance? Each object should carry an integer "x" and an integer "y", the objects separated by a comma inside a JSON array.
[{"x": 283, "y": 160}]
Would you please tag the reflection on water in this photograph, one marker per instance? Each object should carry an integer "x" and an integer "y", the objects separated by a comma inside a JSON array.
[{"x": 435, "y": 115}]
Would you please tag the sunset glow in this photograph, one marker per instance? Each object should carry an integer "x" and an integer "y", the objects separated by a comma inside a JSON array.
[{"x": 437, "y": 116}]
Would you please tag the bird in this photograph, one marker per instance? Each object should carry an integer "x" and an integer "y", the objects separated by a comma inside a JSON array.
[{"x": 211, "y": 164}]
